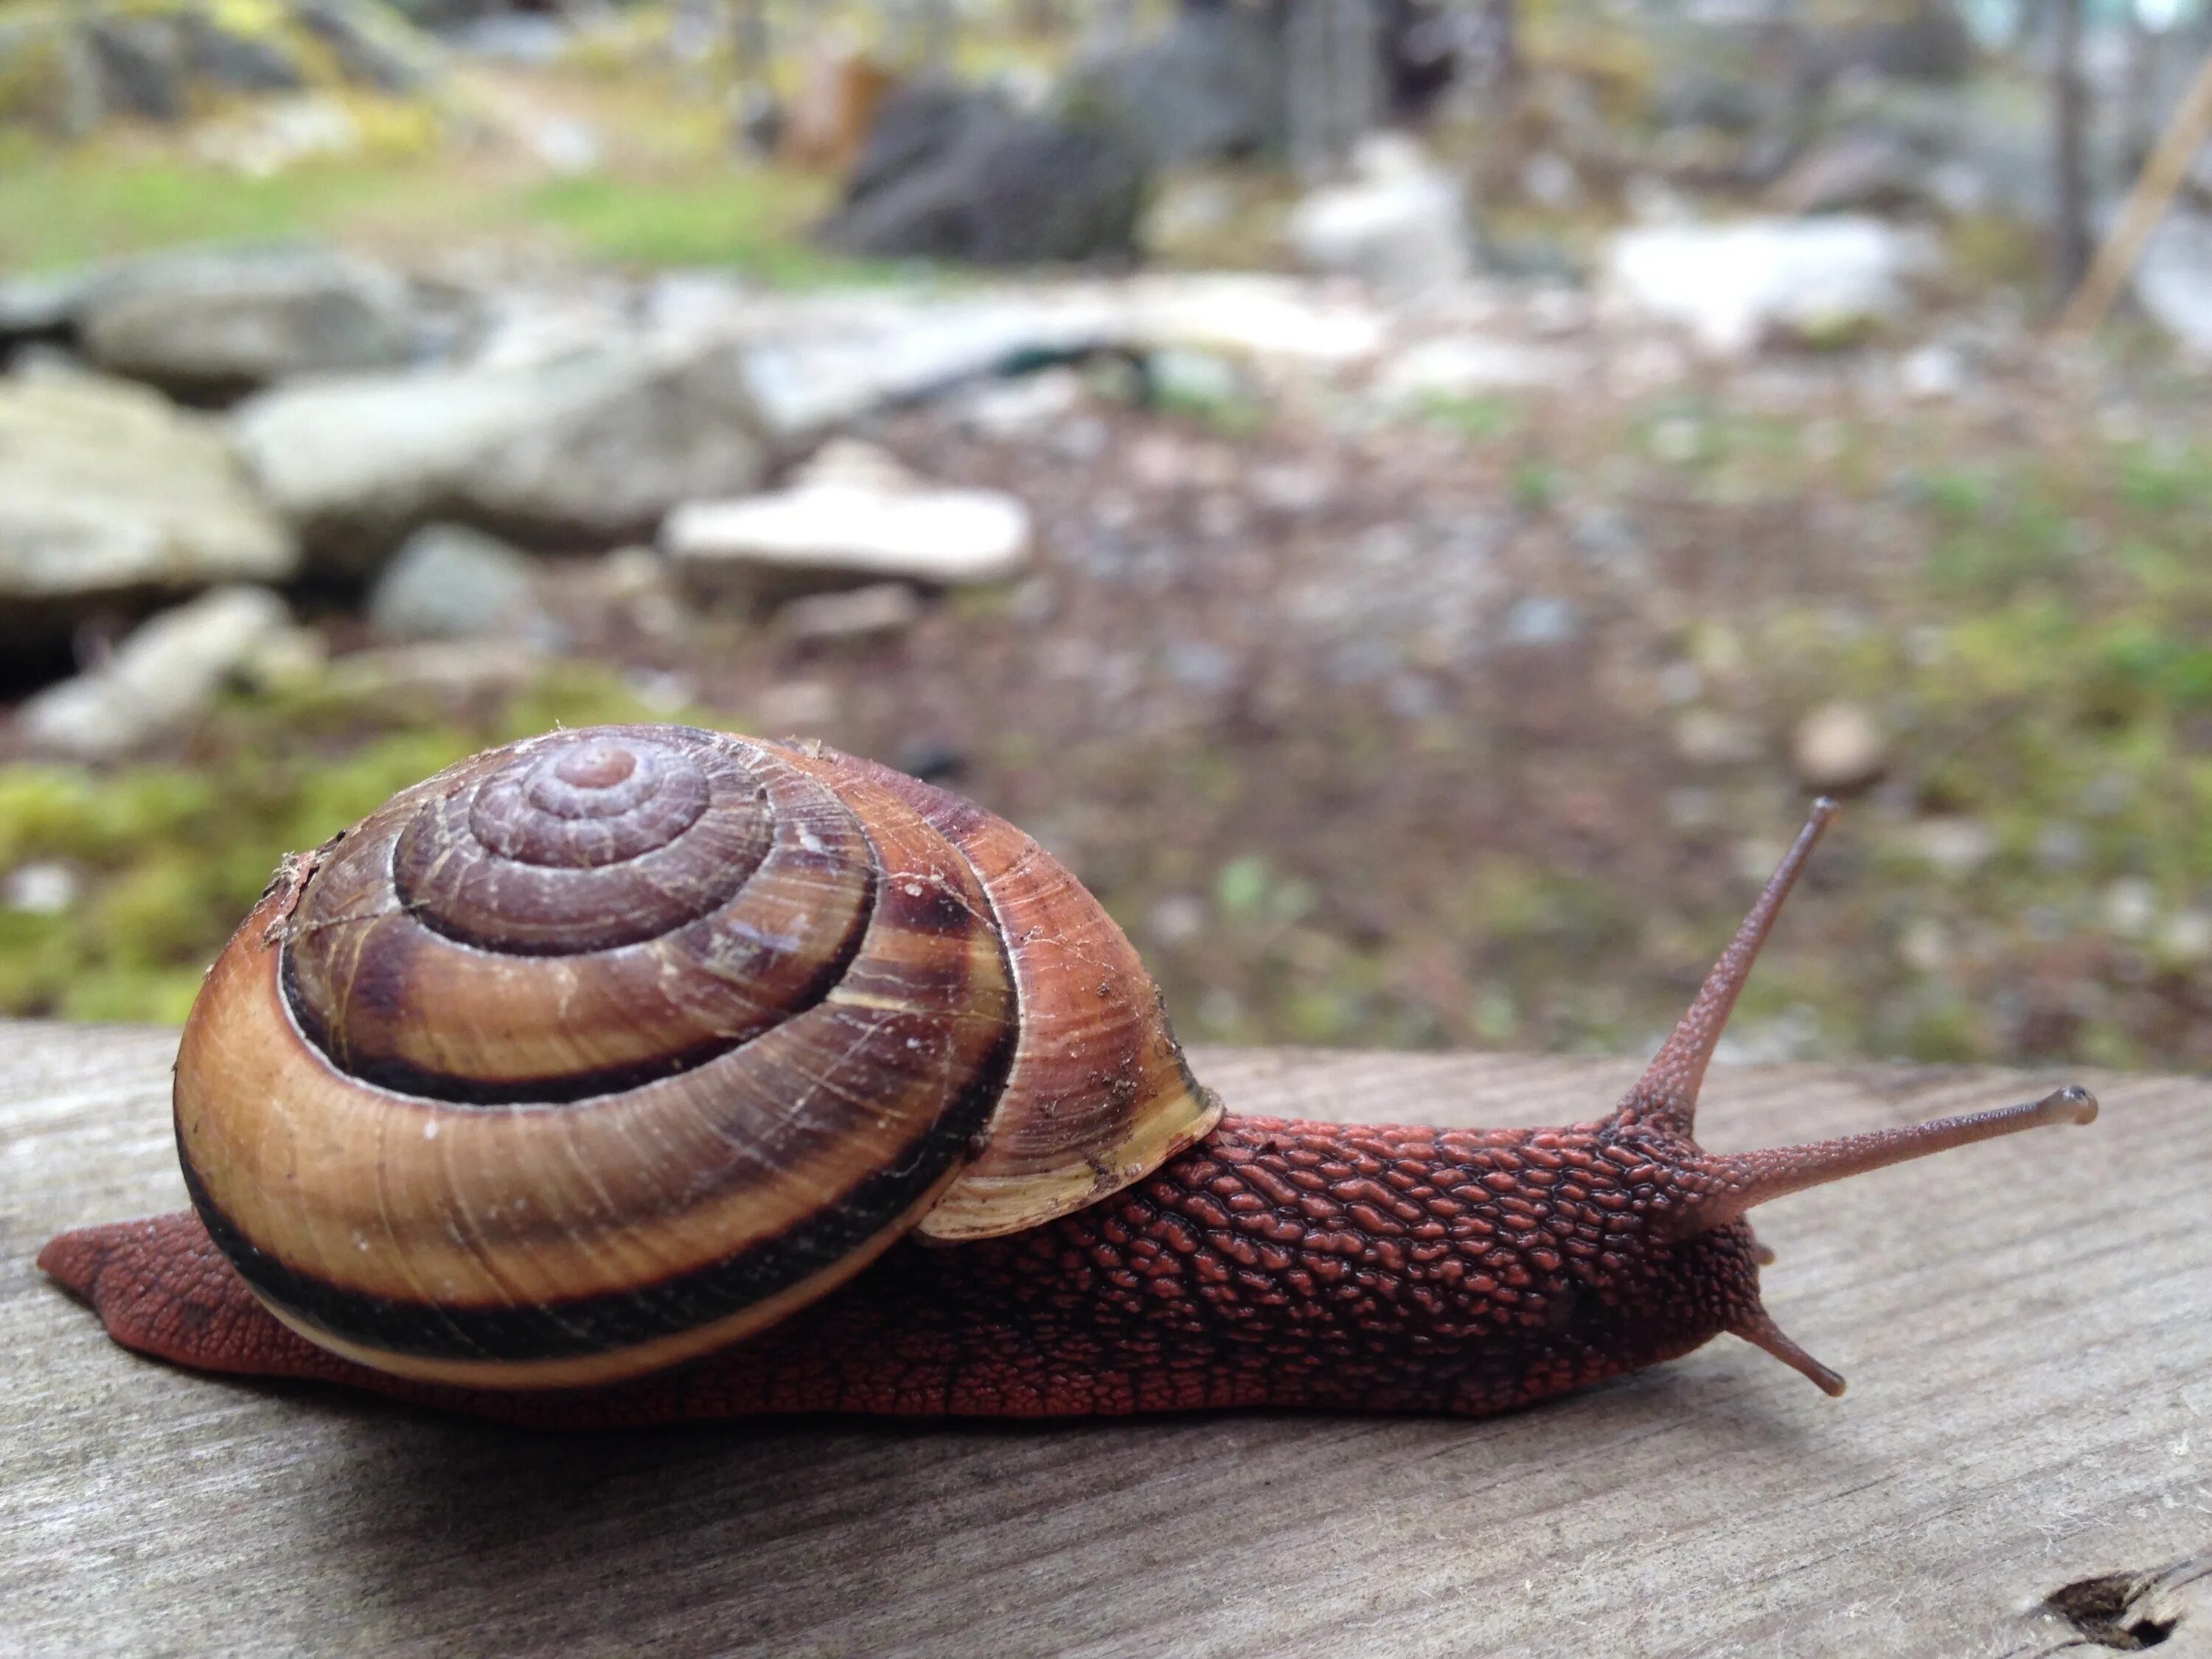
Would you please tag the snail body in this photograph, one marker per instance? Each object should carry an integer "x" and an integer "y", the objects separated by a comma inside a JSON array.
[{"x": 648, "y": 1074}]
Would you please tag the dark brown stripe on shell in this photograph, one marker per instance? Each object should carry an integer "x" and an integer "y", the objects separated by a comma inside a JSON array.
[
  {"x": 401, "y": 1078},
  {"x": 604, "y": 1324}
]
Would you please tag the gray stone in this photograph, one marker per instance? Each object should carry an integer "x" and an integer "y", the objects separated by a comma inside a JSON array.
[
  {"x": 817, "y": 377},
  {"x": 217, "y": 319},
  {"x": 108, "y": 493},
  {"x": 159, "y": 681},
  {"x": 449, "y": 582},
  {"x": 42, "y": 307},
  {"x": 374, "y": 44},
  {"x": 1210, "y": 90},
  {"x": 235, "y": 61},
  {"x": 961, "y": 175},
  {"x": 141, "y": 61},
  {"x": 590, "y": 450},
  {"x": 1400, "y": 225},
  {"x": 853, "y": 518},
  {"x": 1864, "y": 170}
]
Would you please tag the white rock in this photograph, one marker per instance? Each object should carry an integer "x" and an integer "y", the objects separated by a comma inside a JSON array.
[
  {"x": 1400, "y": 225},
  {"x": 45, "y": 887},
  {"x": 1469, "y": 365},
  {"x": 2130, "y": 907},
  {"x": 107, "y": 489},
  {"x": 2187, "y": 936},
  {"x": 1838, "y": 745},
  {"x": 816, "y": 377},
  {"x": 854, "y": 517},
  {"x": 1956, "y": 846},
  {"x": 1931, "y": 374},
  {"x": 2173, "y": 279},
  {"x": 878, "y": 608},
  {"x": 1023, "y": 407},
  {"x": 160, "y": 680},
  {"x": 1734, "y": 285},
  {"x": 1255, "y": 315}
]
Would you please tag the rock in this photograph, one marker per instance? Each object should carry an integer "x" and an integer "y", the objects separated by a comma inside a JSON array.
[
  {"x": 1840, "y": 746},
  {"x": 109, "y": 494},
  {"x": 1180, "y": 377},
  {"x": 1957, "y": 846},
  {"x": 42, "y": 307},
  {"x": 237, "y": 60},
  {"x": 1027, "y": 407},
  {"x": 853, "y": 518},
  {"x": 1707, "y": 737},
  {"x": 374, "y": 44},
  {"x": 1735, "y": 285},
  {"x": 49, "y": 79},
  {"x": 1252, "y": 314},
  {"x": 821, "y": 376},
  {"x": 159, "y": 681},
  {"x": 2173, "y": 279},
  {"x": 955, "y": 175},
  {"x": 1469, "y": 365},
  {"x": 1400, "y": 225},
  {"x": 141, "y": 61},
  {"x": 1210, "y": 90},
  {"x": 45, "y": 887},
  {"x": 2130, "y": 907},
  {"x": 449, "y": 582},
  {"x": 1862, "y": 171},
  {"x": 67, "y": 69},
  {"x": 867, "y": 612},
  {"x": 1931, "y": 373},
  {"x": 1541, "y": 619},
  {"x": 591, "y": 449},
  {"x": 226, "y": 320}
]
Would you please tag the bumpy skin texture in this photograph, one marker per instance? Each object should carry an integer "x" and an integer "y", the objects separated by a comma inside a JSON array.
[{"x": 1284, "y": 1264}]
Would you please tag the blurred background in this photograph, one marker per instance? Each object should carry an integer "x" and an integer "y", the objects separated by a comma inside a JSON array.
[{"x": 1407, "y": 497}]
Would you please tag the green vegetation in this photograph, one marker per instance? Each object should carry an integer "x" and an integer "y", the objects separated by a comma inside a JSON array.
[
  {"x": 60, "y": 207},
  {"x": 173, "y": 855}
]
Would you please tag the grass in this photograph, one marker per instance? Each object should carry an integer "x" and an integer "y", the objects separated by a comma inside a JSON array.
[{"x": 63, "y": 208}]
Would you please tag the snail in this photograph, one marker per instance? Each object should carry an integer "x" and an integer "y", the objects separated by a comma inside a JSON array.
[{"x": 645, "y": 1073}]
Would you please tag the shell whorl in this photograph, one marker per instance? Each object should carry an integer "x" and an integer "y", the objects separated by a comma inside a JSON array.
[{"x": 607, "y": 1047}]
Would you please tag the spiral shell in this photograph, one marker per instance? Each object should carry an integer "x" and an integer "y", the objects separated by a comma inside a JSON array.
[{"x": 606, "y": 1048}]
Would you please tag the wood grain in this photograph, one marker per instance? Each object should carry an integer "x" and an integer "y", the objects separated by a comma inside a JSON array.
[{"x": 2028, "y": 1327}]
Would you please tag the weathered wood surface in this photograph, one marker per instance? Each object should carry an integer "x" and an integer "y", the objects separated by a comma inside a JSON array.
[{"x": 2028, "y": 1327}]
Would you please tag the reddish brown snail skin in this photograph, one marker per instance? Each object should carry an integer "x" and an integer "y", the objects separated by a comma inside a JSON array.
[{"x": 601, "y": 1079}]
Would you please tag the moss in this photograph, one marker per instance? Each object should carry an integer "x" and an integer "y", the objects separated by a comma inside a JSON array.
[{"x": 170, "y": 857}]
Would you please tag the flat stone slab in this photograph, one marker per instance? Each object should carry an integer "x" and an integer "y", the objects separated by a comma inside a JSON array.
[{"x": 2027, "y": 1326}]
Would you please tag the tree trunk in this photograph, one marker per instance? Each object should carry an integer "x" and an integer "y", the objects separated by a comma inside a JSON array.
[
  {"x": 1334, "y": 95},
  {"x": 2071, "y": 243}
]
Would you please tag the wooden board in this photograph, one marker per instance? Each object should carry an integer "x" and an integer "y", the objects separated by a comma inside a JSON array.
[{"x": 2027, "y": 1328}]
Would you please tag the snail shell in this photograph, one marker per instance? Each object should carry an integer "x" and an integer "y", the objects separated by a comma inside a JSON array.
[{"x": 603, "y": 1049}]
